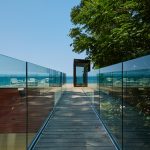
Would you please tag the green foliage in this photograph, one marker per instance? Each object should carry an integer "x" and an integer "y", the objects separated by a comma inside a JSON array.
[{"x": 111, "y": 31}]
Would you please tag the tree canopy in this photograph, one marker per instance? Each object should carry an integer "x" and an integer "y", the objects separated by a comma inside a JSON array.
[{"x": 110, "y": 31}]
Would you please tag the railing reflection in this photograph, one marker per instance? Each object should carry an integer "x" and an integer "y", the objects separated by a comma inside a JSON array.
[
  {"x": 124, "y": 101},
  {"x": 28, "y": 93}
]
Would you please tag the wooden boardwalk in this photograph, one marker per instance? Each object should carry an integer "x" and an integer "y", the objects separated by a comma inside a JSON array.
[{"x": 74, "y": 126}]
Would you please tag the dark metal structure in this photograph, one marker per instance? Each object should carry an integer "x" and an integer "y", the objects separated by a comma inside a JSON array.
[{"x": 81, "y": 67}]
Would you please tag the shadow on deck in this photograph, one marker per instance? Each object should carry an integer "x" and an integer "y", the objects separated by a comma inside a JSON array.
[{"x": 74, "y": 126}]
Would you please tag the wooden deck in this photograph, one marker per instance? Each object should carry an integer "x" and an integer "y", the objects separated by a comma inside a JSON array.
[{"x": 74, "y": 126}]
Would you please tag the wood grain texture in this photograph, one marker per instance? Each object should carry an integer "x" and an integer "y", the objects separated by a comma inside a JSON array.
[{"x": 74, "y": 126}]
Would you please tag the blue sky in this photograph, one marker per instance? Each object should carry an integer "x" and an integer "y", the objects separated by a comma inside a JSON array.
[{"x": 37, "y": 31}]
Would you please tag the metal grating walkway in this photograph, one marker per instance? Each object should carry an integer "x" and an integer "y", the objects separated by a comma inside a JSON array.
[{"x": 74, "y": 126}]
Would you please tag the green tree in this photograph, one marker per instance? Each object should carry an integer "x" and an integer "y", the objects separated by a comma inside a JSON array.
[{"x": 110, "y": 31}]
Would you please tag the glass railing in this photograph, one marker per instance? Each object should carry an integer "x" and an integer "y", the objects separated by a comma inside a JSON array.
[
  {"x": 28, "y": 94},
  {"x": 121, "y": 96},
  {"x": 136, "y": 96}
]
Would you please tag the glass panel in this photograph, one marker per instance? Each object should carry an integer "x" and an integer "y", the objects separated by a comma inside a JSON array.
[
  {"x": 40, "y": 98},
  {"x": 44, "y": 91},
  {"x": 79, "y": 75},
  {"x": 12, "y": 104},
  {"x": 111, "y": 100},
  {"x": 93, "y": 88},
  {"x": 63, "y": 82},
  {"x": 51, "y": 78},
  {"x": 137, "y": 103},
  {"x": 57, "y": 89},
  {"x": 124, "y": 109},
  {"x": 45, "y": 87}
]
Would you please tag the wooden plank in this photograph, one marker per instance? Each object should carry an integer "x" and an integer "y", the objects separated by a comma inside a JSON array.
[{"x": 74, "y": 126}]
